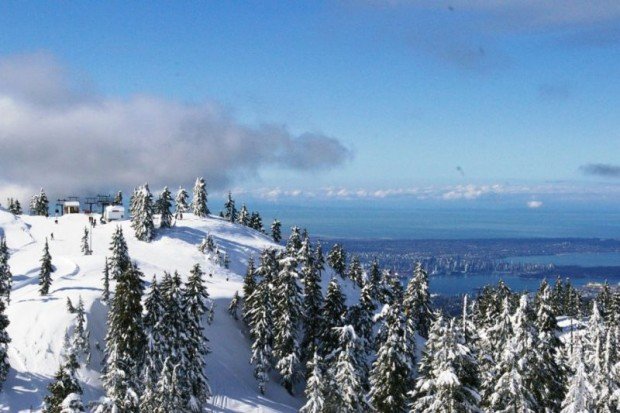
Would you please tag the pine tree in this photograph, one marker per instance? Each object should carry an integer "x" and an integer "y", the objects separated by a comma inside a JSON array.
[
  {"x": 514, "y": 389},
  {"x": 230, "y": 212},
  {"x": 256, "y": 222},
  {"x": 262, "y": 334},
  {"x": 374, "y": 280},
  {"x": 72, "y": 404},
  {"x": 315, "y": 387},
  {"x": 80, "y": 339},
  {"x": 287, "y": 314},
  {"x": 276, "y": 231},
  {"x": 119, "y": 259},
  {"x": 233, "y": 307},
  {"x": 293, "y": 244},
  {"x": 15, "y": 207},
  {"x": 164, "y": 203},
  {"x": 4, "y": 344},
  {"x": 312, "y": 301},
  {"x": 45, "y": 274},
  {"x": 125, "y": 343},
  {"x": 243, "y": 217},
  {"x": 199, "y": 202},
  {"x": 171, "y": 395},
  {"x": 105, "y": 295},
  {"x": 333, "y": 313},
  {"x": 337, "y": 260},
  {"x": 118, "y": 198},
  {"x": 249, "y": 287},
  {"x": 391, "y": 374},
  {"x": 142, "y": 214},
  {"x": 181, "y": 203},
  {"x": 605, "y": 301},
  {"x": 580, "y": 395},
  {"x": 347, "y": 391},
  {"x": 549, "y": 376},
  {"x": 195, "y": 305},
  {"x": 361, "y": 317},
  {"x": 85, "y": 247},
  {"x": 492, "y": 347},
  {"x": 39, "y": 205},
  {"x": 65, "y": 383},
  {"x": 417, "y": 301},
  {"x": 356, "y": 272},
  {"x": 6, "y": 277},
  {"x": 153, "y": 362},
  {"x": 448, "y": 375}
]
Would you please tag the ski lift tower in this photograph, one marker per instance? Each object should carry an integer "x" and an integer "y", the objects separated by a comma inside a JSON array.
[
  {"x": 104, "y": 201},
  {"x": 90, "y": 201}
]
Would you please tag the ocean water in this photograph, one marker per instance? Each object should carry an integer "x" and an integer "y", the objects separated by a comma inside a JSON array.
[
  {"x": 472, "y": 283},
  {"x": 370, "y": 221}
]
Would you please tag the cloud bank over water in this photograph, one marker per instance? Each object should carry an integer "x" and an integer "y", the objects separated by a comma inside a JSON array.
[{"x": 57, "y": 132}]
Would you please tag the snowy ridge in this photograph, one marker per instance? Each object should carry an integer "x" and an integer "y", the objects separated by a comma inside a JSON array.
[{"x": 38, "y": 324}]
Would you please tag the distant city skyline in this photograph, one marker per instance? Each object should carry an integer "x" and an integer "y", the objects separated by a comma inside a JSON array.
[{"x": 350, "y": 100}]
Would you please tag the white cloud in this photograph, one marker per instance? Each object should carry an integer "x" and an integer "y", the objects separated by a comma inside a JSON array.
[
  {"x": 55, "y": 132},
  {"x": 534, "y": 204}
]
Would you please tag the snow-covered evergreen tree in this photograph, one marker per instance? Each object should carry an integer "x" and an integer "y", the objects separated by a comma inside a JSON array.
[
  {"x": 333, "y": 314},
  {"x": 105, "y": 295},
  {"x": 549, "y": 377},
  {"x": 287, "y": 315},
  {"x": 374, "y": 280},
  {"x": 72, "y": 404},
  {"x": 293, "y": 244},
  {"x": 417, "y": 301},
  {"x": 171, "y": 393},
  {"x": 199, "y": 202},
  {"x": 118, "y": 198},
  {"x": 180, "y": 201},
  {"x": 243, "y": 217},
  {"x": 391, "y": 374},
  {"x": 85, "y": 246},
  {"x": 6, "y": 277},
  {"x": 580, "y": 395},
  {"x": 65, "y": 383},
  {"x": 262, "y": 334},
  {"x": 448, "y": 375},
  {"x": 256, "y": 222},
  {"x": 233, "y": 307},
  {"x": 315, "y": 387},
  {"x": 39, "y": 204},
  {"x": 4, "y": 344},
  {"x": 492, "y": 347},
  {"x": 312, "y": 301},
  {"x": 356, "y": 272},
  {"x": 276, "y": 231},
  {"x": 361, "y": 316},
  {"x": 142, "y": 211},
  {"x": 514, "y": 372},
  {"x": 153, "y": 362},
  {"x": 230, "y": 211},
  {"x": 45, "y": 273},
  {"x": 119, "y": 259},
  {"x": 196, "y": 305},
  {"x": 80, "y": 339},
  {"x": 337, "y": 259},
  {"x": 15, "y": 207},
  {"x": 164, "y": 203},
  {"x": 346, "y": 393},
  {"x": 125, "y": 343},
  {"x": 249, "y": 286}
]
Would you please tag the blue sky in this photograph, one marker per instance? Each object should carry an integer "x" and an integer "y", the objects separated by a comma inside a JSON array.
[{"x": 406, "y": 97}]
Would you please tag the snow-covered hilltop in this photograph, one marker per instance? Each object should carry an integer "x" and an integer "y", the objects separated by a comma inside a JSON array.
[{"x": 38, "y": 323}]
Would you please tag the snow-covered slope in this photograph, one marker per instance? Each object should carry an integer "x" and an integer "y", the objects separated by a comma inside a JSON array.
[{"x": 38, "y": 324}]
